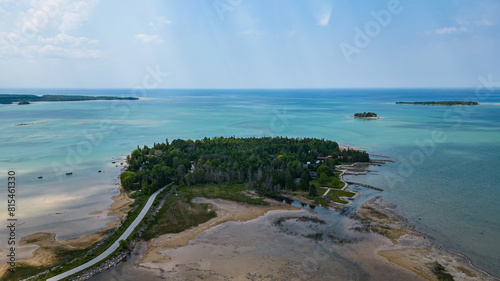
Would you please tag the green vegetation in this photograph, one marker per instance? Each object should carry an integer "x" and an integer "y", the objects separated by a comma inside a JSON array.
[
  {"x": 338, "y": 192},
  {"x": 233, "y": 192},
  {"x": 439, "y": 102},
  {"x": 177, "y": 215},
  {"x": 335, "y": 195},
  {"x": 440, "y": 272},
  {"x": 26, "y": 99},
  {"x": 365, "y": 115},
  {"x": 180, "y": 213},
  {"x": 265, "y": 164},
  {"x": 62, "y": 254},
  {"x": 69, "y": 259},
  {"x": 313, "y": 191},
  {"x": 330, "y": 182},
  {"x": 23, "y": 271}
]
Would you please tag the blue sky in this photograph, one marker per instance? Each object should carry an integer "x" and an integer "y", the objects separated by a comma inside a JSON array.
[{"x": 248, "y": 43}]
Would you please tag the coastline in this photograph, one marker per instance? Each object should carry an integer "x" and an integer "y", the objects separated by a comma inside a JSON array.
[
  {"x": 391, "y": 245},
  {"x": 226, "y": 211},
  {"x": 365, "y": 117},
  {"x": 415, "y": 251},
  {"x": 47, "y": 245},
  {"x": 393, "y": 241}
]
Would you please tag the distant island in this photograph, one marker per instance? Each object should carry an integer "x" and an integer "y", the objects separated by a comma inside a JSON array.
[
  {"x": 439, "y": 102},
  {"x": 366, "y": 115},
  {"x": 26, "y": 99}
]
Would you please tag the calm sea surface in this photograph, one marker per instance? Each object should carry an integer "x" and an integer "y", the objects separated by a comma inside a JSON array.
[{"x": 445, "y": 179}]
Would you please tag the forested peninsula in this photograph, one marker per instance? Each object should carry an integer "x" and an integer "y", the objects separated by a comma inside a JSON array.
[
  {"x": 26, "y": 99},
  {"x": 439, "y": 102},
  {"x": 267, "y": 164}
]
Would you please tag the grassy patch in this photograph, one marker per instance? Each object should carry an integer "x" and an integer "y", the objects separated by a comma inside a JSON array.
[
  {"x": 440, "y": 272},
  {"x": 337, "y": 200},
  {"x": 23, "y": 271},
  {"x": 338, "y": 192},
  {"x": 179, "y": 213},
  {"x": 333, "y": 182},
  {"x": 335, "y": 195},
  {"x": 231, "y": 192}
]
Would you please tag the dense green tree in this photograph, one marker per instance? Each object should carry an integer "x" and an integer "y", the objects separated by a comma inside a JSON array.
[
  {"x": 262, "y": 163},
  {"x": 323, "y": 179},
  {"x": 324, "y": 169},
  {"x": 313, "y": 191}
]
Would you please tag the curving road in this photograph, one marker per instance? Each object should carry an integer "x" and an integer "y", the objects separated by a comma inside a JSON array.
[{"x": 115, "y": 245}]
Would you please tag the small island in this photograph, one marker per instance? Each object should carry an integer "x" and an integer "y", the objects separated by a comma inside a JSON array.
[
  {"x": 447, "y": 103},
  {"x": 26, "y": 99},
  {"x": 366, "y": 115}
]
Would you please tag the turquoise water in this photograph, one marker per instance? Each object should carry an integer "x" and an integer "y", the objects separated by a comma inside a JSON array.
[{"x": 445, "y": 179}]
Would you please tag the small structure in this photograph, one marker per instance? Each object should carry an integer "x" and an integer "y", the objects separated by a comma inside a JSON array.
[{"x": 324, "y": 158}]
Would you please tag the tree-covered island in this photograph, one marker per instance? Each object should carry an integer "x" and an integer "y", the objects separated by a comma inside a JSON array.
[
  {"x": 367, "y": 115},
  {"x": 26, "y": 99},
  {"x": 271, "y": 165},
  {"x": 439, "y": 102}
]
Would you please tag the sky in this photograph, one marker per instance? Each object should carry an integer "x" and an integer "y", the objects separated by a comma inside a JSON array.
[{"x": 248, "y": 43}]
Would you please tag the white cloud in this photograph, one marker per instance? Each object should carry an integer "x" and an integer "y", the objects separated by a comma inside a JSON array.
[
  {"x": 65, "y": 39},
  {"x": 160, "y": 21},
  {"x": 452, "y": 29},
  {"x": 42, "y": 30},
  {"x": 47, "y": 15},
  {"x": 49, "y": 51},
  {"x": 163, "y": 20},
  {"x": 76, "y": 14},
  {"x": 485, "y": 22},
  {"x": 148, "y": 38},
  {"x": 324, "y": 18}
]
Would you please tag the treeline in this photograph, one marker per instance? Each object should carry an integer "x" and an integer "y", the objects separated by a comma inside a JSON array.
[
  {"x": 365, "y": 114},
  {"x": 25, "y": 99},
  {"x": 439, "y": 102},
  {"x": 270, "y": 164}
]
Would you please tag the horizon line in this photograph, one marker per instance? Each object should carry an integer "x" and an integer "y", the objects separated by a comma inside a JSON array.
[{"x": 345, "y": 88}]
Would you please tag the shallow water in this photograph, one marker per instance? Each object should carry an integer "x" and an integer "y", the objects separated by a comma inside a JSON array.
[
  {"x": 450, "y": 191},
  {"x": 263, "y": 249}
]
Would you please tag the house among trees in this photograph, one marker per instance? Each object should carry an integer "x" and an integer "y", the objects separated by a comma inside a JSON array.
[{"x": 324, "y": 158}]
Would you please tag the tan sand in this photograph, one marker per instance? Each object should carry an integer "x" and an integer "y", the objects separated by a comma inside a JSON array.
[
  {"x": 421, "y": 255},
  {"x": 420, "y": 261},
  {"x": 119, "y": 208},
  {"x": 226, "y": 211},
  {"x": 47, "y": 244}
]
